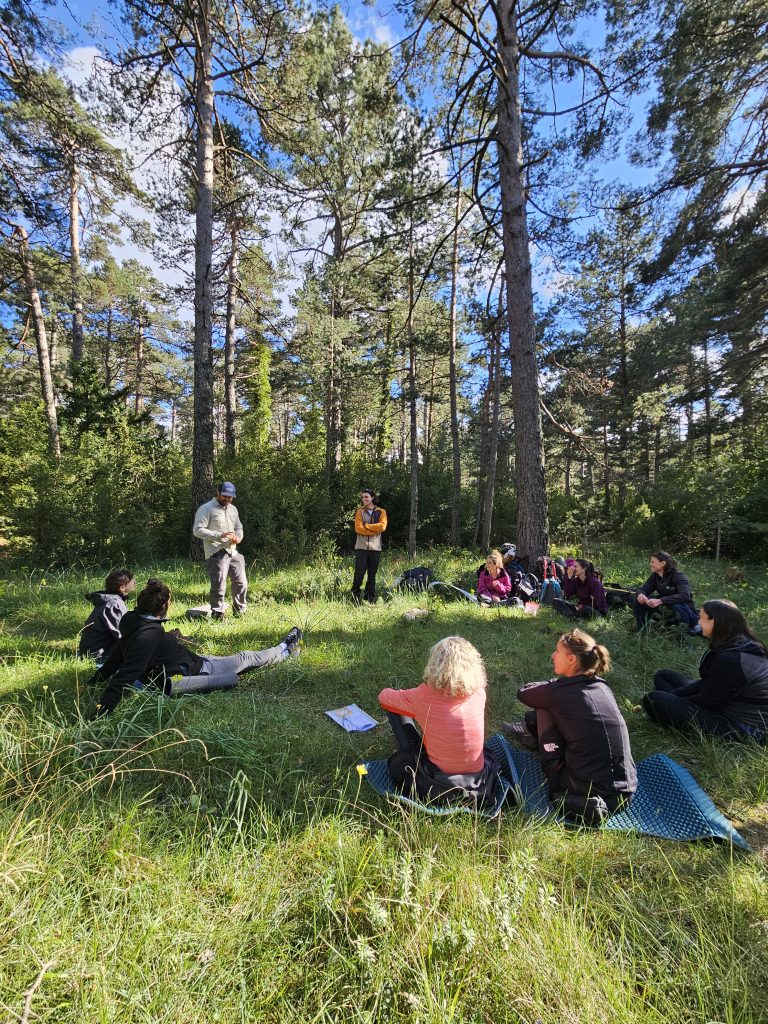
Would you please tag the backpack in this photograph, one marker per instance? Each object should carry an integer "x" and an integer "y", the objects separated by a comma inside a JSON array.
[
  {"x": 416, "y": 579},
  {"x": 550, "y": 590},
  {"x": 524, "y": 585}
]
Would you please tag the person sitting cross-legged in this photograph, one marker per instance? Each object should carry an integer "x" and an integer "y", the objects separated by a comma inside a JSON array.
[
  {"x": 443, "y": 759},
  {"x": 730, "y": 697},
  {"x": 493, "y": 580},
  {"x": 672, "y": 591},
  {"x": 579, "y": 733},
  {"x": 148, "y": 655}
]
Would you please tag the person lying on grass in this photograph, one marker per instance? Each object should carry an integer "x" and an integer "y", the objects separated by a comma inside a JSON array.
[
  {"x": 101, "y": 632},
  {"x": 730, "y": 697},
  {"x": 577, "y": 729},
  {"x": 493, "y": 581},
  {"x": 444, "y": 761},
  {"x": 146, "y": 654},
  {"x": 583, "y": 583}
]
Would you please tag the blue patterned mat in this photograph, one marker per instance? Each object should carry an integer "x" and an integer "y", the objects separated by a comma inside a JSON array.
[
  {"x": 669, "y": 802},
  {"x": 377, "y": 775}
]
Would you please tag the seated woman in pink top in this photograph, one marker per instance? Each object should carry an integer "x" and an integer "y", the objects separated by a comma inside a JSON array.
[
  {"x": 445, "y": 760},
  {"x": 493, "y": 582}
]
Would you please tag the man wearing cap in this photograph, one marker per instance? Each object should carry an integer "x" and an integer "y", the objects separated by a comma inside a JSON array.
[{"x": 218, "y": 526}]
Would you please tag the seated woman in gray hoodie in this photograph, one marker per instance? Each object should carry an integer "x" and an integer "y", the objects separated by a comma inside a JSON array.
[{"x": 99, "y": 635}]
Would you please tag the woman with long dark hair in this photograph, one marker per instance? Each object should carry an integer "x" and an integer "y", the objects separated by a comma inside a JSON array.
[
  {"x": 147, "y": 655},
  {"x": 582, "y": 582},
  {"x": 666, "y": 587},
  {"x": 730, "y": 697}
]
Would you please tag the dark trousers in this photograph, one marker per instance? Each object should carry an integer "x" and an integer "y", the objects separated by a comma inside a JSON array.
[
  {"x": 563, "y": 607},
  {"x": 683, "y": 613},
  {"x": 664, "y": 706},
  {"x": 365, "y": 562}
]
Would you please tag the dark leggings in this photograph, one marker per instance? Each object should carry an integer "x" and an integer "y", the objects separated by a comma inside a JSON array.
[
  {"x": 664, "y": 706},
  {"x": 682, "y": 612},
  {"x": 563, "y": 607}
]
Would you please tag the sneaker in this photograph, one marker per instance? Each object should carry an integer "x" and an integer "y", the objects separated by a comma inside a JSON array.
[
  {"x": 217, "y": 616},
  {"x": 292, "y": 639},
  {"x": 519, "y": 733}
]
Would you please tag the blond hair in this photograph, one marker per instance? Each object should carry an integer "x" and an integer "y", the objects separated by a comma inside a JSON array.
[
  {"x": 455, "y": 667},
  {"x": 593, "y": 657},
  {"x": 497, "y": 558}
]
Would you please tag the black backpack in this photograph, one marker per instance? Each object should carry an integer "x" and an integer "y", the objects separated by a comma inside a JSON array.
[{"x": 416, "y": 579}]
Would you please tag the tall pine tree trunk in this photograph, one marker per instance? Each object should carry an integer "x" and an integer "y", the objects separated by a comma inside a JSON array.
[
  {"x": 493, "y": 437},
  {"x": 75, "y": 268},
  {"x": 139, "y": 389},
  {"x": 453, "y": 382},
  {"x": 230, "y": 396},
  {"x": 532, "y": 520},
  {"x": 202, "y": 442},
  {"x": 414, "y": 436},
  {"x": 41, "y": 339}
]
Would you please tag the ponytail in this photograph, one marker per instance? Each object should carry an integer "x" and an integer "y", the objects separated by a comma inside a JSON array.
[{"x": 594, "y": 659}]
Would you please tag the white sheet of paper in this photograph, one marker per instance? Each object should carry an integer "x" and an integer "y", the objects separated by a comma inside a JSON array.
[{"x": 352, "y": 718}]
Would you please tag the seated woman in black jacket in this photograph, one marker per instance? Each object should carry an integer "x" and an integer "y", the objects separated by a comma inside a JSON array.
[
  {"x": 730, "y": 697},
  {"x": 579, "y": 733},
  {"x": 672, "y": 590},
  {"x": 146, "y": 654}
]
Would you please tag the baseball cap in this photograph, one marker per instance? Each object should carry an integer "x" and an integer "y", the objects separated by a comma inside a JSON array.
[{"x": 228, "y": 488}]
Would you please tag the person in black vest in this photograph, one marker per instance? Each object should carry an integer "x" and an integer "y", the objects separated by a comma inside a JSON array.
[
  {"x": 672, "y": 590},
  {"x": 730, "y": 697},
  {"x": 147, "y": 655},
  {"x": 579, "y": 733}
]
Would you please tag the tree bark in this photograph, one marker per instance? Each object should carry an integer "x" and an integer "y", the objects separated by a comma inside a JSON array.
[
  {"x": 230, "y": 395},
  {"x": 453, "y": 382},
  {"x": 493, "y": 437},
  {"x": 75, "y": 269},
  {"x": 139, "y": 389},
  {"x": 532, "y": 517},
  {"x": 414, "y": 437},
  {"x": 202, "y": 442},
  {"x": 41, "y": 339}
]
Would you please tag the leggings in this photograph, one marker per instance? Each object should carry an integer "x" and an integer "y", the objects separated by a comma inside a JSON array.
[{"x": 664, "y": 706}]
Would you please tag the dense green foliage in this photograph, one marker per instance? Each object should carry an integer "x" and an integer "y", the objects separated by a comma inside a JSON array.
[{"x": 219, "y": 858}]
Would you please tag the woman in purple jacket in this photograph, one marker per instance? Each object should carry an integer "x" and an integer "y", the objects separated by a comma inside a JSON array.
[
  {"x": 582, "y": 583},
  {"x": 493, "y": 582}
]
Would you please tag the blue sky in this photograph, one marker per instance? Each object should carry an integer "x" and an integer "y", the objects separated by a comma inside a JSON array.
[{"x": 93, "y": 24}]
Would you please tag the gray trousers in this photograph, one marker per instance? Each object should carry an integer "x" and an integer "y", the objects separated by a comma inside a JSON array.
[
  {"x": 244, "y": 661},
  {"x": 219, "y": 566}
]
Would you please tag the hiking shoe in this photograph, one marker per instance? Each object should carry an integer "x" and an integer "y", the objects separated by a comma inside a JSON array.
[
  {"x": 292, "y": 639},
  {"x": 217, "y": 616},
  {"x": 520, "y": 733}
]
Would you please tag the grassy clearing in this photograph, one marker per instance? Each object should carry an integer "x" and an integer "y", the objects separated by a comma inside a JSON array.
[{"x": 217, "y": 858}]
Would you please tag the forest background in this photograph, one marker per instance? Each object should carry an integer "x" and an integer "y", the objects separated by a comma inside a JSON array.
[{"x": 507, "y": 264}]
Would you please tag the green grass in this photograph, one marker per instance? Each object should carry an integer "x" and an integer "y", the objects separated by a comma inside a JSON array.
[{"x": 218, "y": 858}]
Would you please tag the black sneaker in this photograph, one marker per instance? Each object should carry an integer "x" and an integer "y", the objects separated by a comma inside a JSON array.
[
  {"x": 292, "y": 639},
  {"x": 217, "y": 616}
]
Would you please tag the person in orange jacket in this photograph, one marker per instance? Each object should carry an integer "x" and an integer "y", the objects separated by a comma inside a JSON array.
[{"x": 370, "y": 523}]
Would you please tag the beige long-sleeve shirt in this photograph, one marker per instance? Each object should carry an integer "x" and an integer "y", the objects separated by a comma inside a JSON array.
[{"x": 213, "y": 519}]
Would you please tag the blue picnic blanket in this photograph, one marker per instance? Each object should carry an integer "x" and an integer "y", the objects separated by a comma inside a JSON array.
[{"x": 669, "y": 802}]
